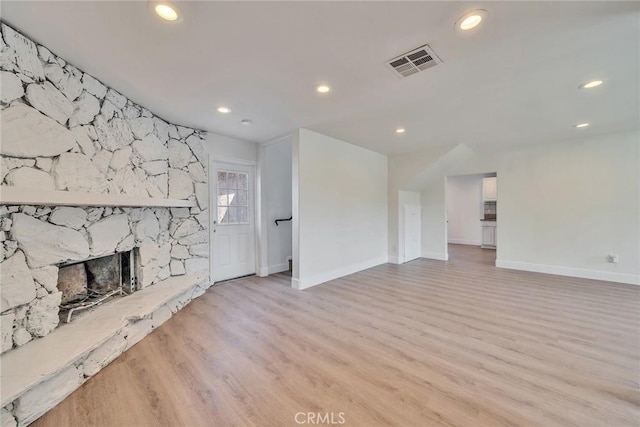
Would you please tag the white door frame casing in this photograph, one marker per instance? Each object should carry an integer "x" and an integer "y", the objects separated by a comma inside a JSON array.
[
  {"x": 295, "y": 212},
  {"x": 214, "y": 210}
]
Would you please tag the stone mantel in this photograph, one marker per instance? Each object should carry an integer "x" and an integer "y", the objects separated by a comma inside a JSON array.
[{"x": 23, "y": 196}]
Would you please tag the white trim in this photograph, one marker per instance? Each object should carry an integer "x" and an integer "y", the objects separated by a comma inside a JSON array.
[
  {"x": 257, "y": 214},
  {"x": 213, "y": 213},
  {"x": 465, "y": 242},
  {"x": 400, "y": 248},
  {"x": 435, "y": 255},
  {"x": 278, "y": 268},
  {"x": 295, "y": 209},
  {"x": 262, "y": 258},
  {"x": 631, "y": 279},
  {"x": 336, "y": 274},
  {"x": 234, "y": 160}
]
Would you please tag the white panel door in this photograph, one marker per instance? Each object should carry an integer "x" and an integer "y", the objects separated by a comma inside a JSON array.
[
  {"x": 412, "y": 232},
  {"x": 233, "y": 246}
]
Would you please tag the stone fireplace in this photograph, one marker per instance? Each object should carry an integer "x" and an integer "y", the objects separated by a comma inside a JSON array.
[
  {"x": 87, "y": 283},
  {"x": 103, "y": 221},
  {"x": 85, "y": 173}
]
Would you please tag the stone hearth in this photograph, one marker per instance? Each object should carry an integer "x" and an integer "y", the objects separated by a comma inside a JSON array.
[{"x": 32, "y": 383}]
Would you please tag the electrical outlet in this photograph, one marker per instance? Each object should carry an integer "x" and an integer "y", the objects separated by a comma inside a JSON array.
[{"x": 613, "y": 258}]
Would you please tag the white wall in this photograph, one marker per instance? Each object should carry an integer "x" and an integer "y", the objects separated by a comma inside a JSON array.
[
  {"x": 464, "y": 209},
  {"x": 569, "y": 205},
  {"x": 276, "y": 170},
  {"x": 224, "y": 148},
  {"x": 340, "y": 195},
  {"x": 563, "y": 206}
]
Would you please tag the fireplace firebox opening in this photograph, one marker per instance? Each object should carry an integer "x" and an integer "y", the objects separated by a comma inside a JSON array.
[{"x": 88, "y": 283}]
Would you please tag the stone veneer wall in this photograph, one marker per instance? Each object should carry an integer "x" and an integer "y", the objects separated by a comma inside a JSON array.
[{"x": 64, "y": 130}]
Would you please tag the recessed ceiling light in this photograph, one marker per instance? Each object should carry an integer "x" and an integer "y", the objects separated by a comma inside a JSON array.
[
  {"x": 471, "y": 20},
  {"x": 224, "y": 110},
  {"x": 323, "y": 88},
  {"x": 400, "y": 130},
  {"x": 591, "y": 84},
  {"x": 246, "y": 122},
  {"x": 581, "y": 125},
  {"x": 166, "y": 11}
]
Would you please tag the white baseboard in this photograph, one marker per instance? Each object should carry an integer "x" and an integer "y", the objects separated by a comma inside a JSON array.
[
  {"x": 631, "y": 279},
  {"x": 263, "y": 271},
  {"x": 394, "y": 259},
  {"x": 465, "y": 242},
  {"x": 335, "y": 274},
  {"x": 278, "y": 268},
  {"x": 435, "y": 255}
]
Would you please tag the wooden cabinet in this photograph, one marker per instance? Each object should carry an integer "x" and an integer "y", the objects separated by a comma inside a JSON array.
[
  {"x": 489, "y": 233},
  {"x": 490, "y": 189}
]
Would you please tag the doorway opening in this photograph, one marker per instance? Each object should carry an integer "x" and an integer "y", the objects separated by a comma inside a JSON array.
[
  {"x": 277, "y": 257},
  {"x": 472, "y": 216}
]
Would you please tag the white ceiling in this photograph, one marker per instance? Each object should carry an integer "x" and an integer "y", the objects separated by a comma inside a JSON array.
[{"x": 512, "y": 81}]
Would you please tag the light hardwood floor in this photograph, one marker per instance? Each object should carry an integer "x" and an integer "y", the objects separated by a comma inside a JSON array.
[{"x": 428, "y": 343}]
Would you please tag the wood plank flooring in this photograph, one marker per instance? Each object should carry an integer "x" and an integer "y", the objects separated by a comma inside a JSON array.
[{"x": 428, "y": 343}]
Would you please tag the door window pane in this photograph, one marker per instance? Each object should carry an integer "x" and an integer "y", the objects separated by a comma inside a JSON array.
[
  {"x": 243, "y": 214},
  {"x": 232, "y": 180},
  {"x": 233, "y": 215},
  {"x": 243, "y": 181},
  {"x": 242, "y": 198},
  {"x": 222, "y": 179},
  {"x": 233, "y": 197},
  {"x": 222, "y": 197},
  {"x": 222, "y": 215}
]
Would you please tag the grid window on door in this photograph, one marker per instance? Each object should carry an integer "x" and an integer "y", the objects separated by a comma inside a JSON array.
[{"x": 233, "y": 197}]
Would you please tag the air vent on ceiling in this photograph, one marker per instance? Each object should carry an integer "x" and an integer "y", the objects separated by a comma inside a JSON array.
[{"x": 413, "y": 62}]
